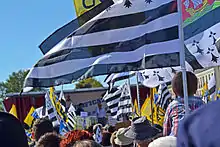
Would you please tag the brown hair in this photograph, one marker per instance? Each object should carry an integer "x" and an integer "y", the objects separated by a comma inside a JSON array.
[
  {"x": 49, "y": 140},
  {"x": 177, "y": 84},
  {"x": 42, "y": 126}
]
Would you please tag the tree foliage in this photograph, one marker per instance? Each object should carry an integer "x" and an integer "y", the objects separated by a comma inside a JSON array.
[
  {"x": 88, "y": 83},
  {"x": 14, "y": 83}
]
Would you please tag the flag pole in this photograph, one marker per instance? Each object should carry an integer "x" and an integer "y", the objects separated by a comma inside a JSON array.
[
  {"x": 138, "y": 94},
  {"x": 151, "y": 105},
  {"x": 182, "y": 58}
]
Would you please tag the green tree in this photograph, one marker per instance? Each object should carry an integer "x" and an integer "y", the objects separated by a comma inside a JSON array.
[
  {"x": 88, "y": 83},
  {"x": 14, "y": 83}
]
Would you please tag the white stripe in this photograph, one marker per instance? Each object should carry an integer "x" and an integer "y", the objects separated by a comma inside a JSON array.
[
  {"x": 117, "y": 35},
  {"x": 67, "y": 67},
  {"x": 125, "y": 102},
  {"x": 137, "y": 6}
]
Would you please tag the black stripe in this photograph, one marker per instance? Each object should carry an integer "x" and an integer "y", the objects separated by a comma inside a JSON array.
[
  {"x": 53, "y": 119},
  {"x": 66, "y": 30},
  {"x": 155, "y": 61},
  {"x": 113, "y": 106},
  {"x": 129, "y": 20},
  {"x": 212, "y": 90},
  {"x": 50, "y": 111},
  {"x": 164, "y": 95},
  {"x": 126, "y": 46},
  {"x": 114, "y": 113},
  {"x": 125, "y": 98},
  {"x": 192, "y": 60},
  {"x": 124, "y": 106},
  {"x": 113, "y": 98},
  {"x": 209, "y": 19}
]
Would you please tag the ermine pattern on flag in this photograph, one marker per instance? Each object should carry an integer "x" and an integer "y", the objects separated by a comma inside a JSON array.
[
  {"x": 125, "y": 102},
  {"x": 149, "y": 29},
  {"x": 52, "y": 114},
  {"x": 164, "y": 97}
]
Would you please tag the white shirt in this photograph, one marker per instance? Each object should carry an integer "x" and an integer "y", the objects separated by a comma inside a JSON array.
[{"x": 101, "y": 113}]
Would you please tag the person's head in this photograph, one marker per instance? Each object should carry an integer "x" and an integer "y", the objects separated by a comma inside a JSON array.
[
  {"x": 177, "y": 84},
  {"x": 42, "y": 126},
  {"x": 49, "y": 140},
  {"x": 112, "y": 139},
  {"x": 12, "y": 133},
  {"x": 106, "y": 136},
  {"x": 86, "y": 143},
  {"x": 73, "y": 136},
  {"x": 141, "y": 131},
  {"x": 90, "y": 129},
  {"x": 168, "y": 141},
  {"x": 121, "y": 139},
  {"x": 99, "y": 105},
  {"x": 111, "y": 129},
  {"x": 80, "y": 105}
]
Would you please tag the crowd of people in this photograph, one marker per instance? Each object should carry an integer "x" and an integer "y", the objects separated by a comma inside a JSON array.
[{"x": 198, "y": 129}]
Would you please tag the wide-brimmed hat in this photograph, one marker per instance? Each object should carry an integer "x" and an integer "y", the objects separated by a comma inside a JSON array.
[
  {"x": 141, "y": 129},
  {"x": 121, "y": 139}
]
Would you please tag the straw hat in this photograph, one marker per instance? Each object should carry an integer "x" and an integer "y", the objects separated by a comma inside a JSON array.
[{"x": 121, "y": 139}]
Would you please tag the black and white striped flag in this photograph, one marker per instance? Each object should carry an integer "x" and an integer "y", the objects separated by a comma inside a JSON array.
[
  {"x": 112, "y": 99},
  {"x": 51, "y": 111},
  {"x": 125, "y": 102},
  {"x": 164, "y": 97},
  {"x": 62, "y": 101},
  {"x": 114, "y": 41},
  {"x": 71, "y": 121}
]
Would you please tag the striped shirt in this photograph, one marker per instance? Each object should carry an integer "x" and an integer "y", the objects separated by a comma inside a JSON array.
[{"x": 175, "y": 113}]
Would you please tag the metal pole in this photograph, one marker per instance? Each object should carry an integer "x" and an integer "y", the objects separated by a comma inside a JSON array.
[
  {"x": 182, "y": 58},
  {"x": 138, "y": 94},
  {"x": 151, "y": 105}
]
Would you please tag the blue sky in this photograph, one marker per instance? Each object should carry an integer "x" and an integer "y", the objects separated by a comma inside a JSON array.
[{"x": 24, "y": 25}]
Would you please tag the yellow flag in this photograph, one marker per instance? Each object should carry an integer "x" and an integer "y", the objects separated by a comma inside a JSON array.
[
  {"x": 156, "y": 112},
  {"x": 13, "y": 111},
  {"x": 204, "y": 89},
  {"x": 135, "y": 108},
  {"x": 29, "y": 118},
  {"x": 82, "y": 6}
]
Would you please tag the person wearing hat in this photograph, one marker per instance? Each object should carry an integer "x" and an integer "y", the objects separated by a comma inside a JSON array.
[
  {"x": 12, "y": 133},
  {"x": 142, "y": 132},
  {"x": 121, "y": 139}
]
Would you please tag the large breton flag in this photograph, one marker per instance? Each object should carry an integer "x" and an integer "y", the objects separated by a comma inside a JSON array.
[{"x": 115, "y": 40}]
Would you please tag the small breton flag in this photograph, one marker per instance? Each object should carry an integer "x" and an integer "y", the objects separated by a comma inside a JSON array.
[{"x": 52, "y": 114}]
